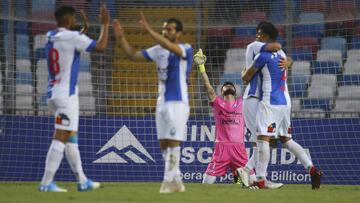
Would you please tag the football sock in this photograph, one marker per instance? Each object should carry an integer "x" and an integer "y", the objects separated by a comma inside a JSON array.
[
  {"x": 209, "y": 179},
  {"x": 263, "y": 160},
  {"x": 172, "y": 159},
  {"x": 250, "y": 165},
  {"x": 312, "y": 170},
  {"x": 72, "y": 154},
  {"x": 53, "y": 159},
  {"x": 166, "y": 157},
  {"x": 299, "y": 152},
  {"x": 252, "y": 179},
  {"x": 175, "y": 152}
]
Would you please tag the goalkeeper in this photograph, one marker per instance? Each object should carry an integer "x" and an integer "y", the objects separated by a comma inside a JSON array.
[{"x": 229, "y": 147}]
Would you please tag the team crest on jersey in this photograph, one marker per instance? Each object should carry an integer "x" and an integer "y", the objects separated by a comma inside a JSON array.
[
  {"x": 271, "y": 128},
  {"x": 290, "y": 130},
  {"x": 62, "y": 119}
]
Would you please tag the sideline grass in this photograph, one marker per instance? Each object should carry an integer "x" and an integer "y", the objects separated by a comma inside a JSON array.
[{"x": 11, "y": 192}]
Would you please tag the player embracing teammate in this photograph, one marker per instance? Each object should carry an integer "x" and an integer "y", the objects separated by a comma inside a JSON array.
[
  {"x": 251, "y": 101},
  {"x": 174, "y": 62},
  {"x": 274, "y": 110}
]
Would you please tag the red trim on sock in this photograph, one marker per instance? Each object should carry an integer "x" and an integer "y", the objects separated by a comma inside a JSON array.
[
  {"x": 312, "y": 171},
  {"x": 261, "y": 184}
]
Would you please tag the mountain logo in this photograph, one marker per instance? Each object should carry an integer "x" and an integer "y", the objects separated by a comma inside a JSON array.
[{"x": 123, "y": 142}]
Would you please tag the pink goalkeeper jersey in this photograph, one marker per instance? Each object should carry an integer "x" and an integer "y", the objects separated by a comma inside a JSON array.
[{"x": 229, "y": 120}]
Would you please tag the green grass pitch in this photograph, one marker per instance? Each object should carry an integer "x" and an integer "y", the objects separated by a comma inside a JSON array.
[{"x": 18, "y": 192}]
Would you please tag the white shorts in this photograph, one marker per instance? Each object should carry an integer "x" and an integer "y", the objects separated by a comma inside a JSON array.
[
  {"x": 66, "y": 111},
  {"x": 273, "y": 120},
  {"x": 250, "y": 107},
  {"x": 171, "y": 119}
]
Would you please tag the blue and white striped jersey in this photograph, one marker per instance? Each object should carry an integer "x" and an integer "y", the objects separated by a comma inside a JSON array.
[
  {"x": 173, "y": 72},
  {"x": 253, "y": 88},
  {"x": 63, "y": 49},
  {"x": 274, "y": 79}
]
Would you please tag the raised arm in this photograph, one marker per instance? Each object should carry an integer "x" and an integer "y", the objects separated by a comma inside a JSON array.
[
  {"x": 199, "y": 59},
  {"x": 104, "y": 33},
  {"x": 121, "y": 41},
  {"x": 85, "y": 20},
  {"x": 165, "y": 43},
  {"x": 259, "y": 62}
]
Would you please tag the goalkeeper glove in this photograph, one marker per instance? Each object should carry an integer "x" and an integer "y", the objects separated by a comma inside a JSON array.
[{"x": 200, "y": 59}]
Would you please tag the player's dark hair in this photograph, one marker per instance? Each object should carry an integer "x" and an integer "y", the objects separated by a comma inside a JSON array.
[
  {"x": 178, "y": 23},
  {"x": 260, "y": 24},
  {"x": 63, "y": 11},
  {"x": 270, "y": 30},
  {"x": 228, "y": 83}
]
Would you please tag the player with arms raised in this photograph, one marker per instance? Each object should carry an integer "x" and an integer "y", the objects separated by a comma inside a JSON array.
[
  {"x": 174, "y": 62},
  {"x": 63, "y": 55},
  {"x": 274, "y": 110},
  {"x": 229, "y": 147}
]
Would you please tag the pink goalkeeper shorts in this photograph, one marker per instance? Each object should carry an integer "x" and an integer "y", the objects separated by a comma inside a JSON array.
[{"x": 225, "y": 156}]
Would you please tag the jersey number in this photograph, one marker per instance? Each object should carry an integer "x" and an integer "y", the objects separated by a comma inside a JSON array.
[{"x": 54, "y": 61}]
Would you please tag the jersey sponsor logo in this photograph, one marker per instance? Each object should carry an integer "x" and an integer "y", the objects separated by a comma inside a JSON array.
[
  {"x": 62, "y": 119},
  {"x": 221, "y": 113},
  {"x": 271, "y": 128},
  {"x": 123, "y": 143},
  {"x": 230, "y": 122}
]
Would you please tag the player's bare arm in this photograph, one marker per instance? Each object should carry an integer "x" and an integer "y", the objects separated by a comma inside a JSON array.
[
  {"x": 104, "y": 33},
  {"x": 209, "y": 89},
  {"x": 200, "y": 59},
  {"x": 121, "y": 41},
  {"x": 248, "y": 74},
  {"x": 165, "y": 43},
  {"x": 276, "y": 46},
  {"x": 85, "y": 20}
]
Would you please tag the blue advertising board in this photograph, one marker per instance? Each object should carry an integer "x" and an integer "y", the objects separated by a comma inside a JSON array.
[{"x": 126, "y": 149}]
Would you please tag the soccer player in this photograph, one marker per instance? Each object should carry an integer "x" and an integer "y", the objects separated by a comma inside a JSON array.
[
  {"x": 63, "y": 55},
  {"x": 251, "y": 101},
  {"x": 229, "y": 147},
  {"x": 174, "y": 62},
  {"x": 274, "y": 110}
]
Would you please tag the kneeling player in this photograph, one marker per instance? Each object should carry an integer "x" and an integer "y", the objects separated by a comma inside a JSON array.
[{"x": 229, "y": 147}]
